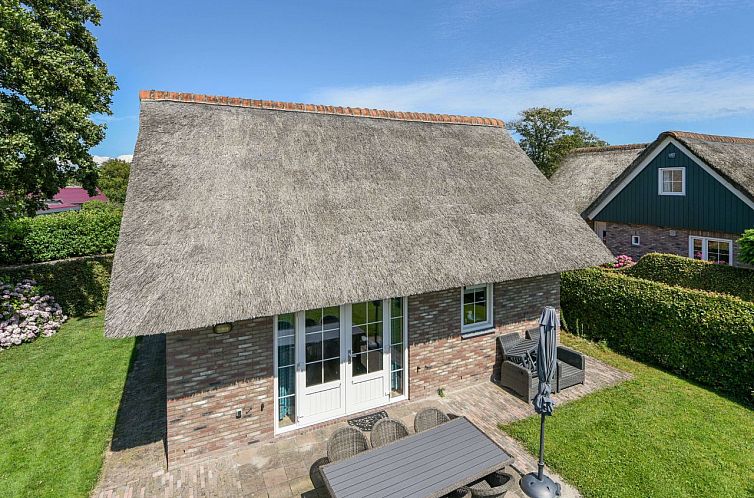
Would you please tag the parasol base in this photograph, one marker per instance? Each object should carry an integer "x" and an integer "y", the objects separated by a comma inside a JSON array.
[{"x": 534, "y": 488}]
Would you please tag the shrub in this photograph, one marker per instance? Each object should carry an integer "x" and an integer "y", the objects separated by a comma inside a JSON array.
[
  {"x": 79, "y": 285},
  {"x": 746, "y": 247},
  {"x": 26, "y": 314},
  {"x": 708, "y": 338},
  {"x": 695, "y": 274},
  {"x": 621, "y": 261},
  {"x": 93, "y": 230}
]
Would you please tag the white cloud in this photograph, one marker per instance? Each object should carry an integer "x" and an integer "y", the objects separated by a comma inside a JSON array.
[
  {"x": 101, "y": 159},
  {"x": 684, "y": 93}
]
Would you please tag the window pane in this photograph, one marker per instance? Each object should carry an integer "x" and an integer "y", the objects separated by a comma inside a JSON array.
[
  {"x": 313, "y": 374},
  {"x": 286, "y": 351},
  {"x": 287, "y": 411},
  {"x": 468, "y": 314},
  {"x": 480, "y": 312},
  {"x": 396, "y": 307},
  {"x": 396, "y": 330},
  {"x": 359, "y": 364},
  {"x": 480, "y": 296},
  {"x": 374, "y": 311},
  {"x": 396, "y": 383},
  {"x": 331, "y": 369},
  {"x": 331, "y": 344},
  {"x": 359, "y": 313},
  {"x": 698, "y": 254},
  {"x": 375, "y": 360},
  {"x": 313, "y": 320},
  {"x": 396, "y": 357},
  {"x": 331, "y": 318},
  {"x": 285, "y": 324},
  {"x": 313, "y": 347},
  {"x": 468, "y": 296},
  {"x": 286, "y": 381},
  {"x": 358, "y": 339},
  {"x": 374, "y": 330}
]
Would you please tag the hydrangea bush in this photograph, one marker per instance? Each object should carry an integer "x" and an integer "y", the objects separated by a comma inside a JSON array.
[
  {"x": 26, "y": 314},
  {"x": 621, "y": 261}
]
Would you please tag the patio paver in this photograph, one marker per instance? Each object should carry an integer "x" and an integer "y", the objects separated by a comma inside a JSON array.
[{"x": 282, "y": 467}]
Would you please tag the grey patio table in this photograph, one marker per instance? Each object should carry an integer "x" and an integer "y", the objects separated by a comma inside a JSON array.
[{"x": 429, "y": 464}]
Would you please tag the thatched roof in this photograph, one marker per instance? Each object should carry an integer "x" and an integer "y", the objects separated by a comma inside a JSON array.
[
  {"x": 731, "y": 157},
  {"x": 237, "y": 210},
  {"x": 585, "y": 173}
]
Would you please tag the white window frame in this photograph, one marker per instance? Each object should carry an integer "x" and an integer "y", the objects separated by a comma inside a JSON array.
[
  {"x": 705, "y": 247},
  {"x": 661, "y": 183},
  {"x": 635, "y": 240},
  {"x": 482, "y": 327}
]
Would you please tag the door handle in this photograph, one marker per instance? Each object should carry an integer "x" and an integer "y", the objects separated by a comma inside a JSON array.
[{"x": 349, "y": 356}]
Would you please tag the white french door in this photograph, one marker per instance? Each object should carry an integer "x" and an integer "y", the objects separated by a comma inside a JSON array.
[{"x": 339, "y": 360}]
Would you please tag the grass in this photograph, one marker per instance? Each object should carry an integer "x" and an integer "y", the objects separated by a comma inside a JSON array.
[
  {"x": 654, "y": 435},
  {"x": 58, "y": 400}
]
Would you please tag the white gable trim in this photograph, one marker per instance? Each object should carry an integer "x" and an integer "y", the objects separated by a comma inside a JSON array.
[{"x": 645, "y": 162}]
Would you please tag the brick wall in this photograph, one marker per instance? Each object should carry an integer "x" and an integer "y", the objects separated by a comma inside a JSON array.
[
  {"x": 439, "y": 357},
  {"x": 209, "y": 376},
  {"x": 657, "y": 239}
]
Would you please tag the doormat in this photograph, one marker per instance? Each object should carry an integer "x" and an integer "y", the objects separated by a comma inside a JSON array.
[{"x": 366, "y": 422}]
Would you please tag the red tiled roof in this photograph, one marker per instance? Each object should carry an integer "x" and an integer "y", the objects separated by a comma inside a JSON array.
[
  {"x": 320, "y": 109},
  {"x": 73, "y": 197}
]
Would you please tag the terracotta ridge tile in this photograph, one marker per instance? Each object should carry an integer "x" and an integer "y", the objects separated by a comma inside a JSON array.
[{"x": 157, "y": 95}]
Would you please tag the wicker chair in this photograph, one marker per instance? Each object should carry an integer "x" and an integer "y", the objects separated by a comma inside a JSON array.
[
  {"x": 507, "y": 341},
  {"x": 571, "y": 368},
  {"x": 533, "y": 333},
  {"x": 519, "y": 379},
  {"x": 428, "y": 418},
  {"x": 493, "y": 485},
  {"x": 345, "y": 443},
  {"x": 386, "y": 431},
  {"x": 462, "y": 492}
]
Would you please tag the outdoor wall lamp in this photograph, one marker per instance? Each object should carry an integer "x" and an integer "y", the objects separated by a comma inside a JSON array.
[{"x": 222, "y": 328}]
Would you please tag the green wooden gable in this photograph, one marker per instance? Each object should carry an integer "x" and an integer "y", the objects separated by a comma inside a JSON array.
[{"x": 707, "y": 205}]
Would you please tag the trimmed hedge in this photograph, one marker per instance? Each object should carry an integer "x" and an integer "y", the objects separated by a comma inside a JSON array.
[
  {"x": 705, "y": 337},
  {"x": 695, "y": 274},
  {"x": 93, "y": 230},
  {"x": 79, "y": 285}
]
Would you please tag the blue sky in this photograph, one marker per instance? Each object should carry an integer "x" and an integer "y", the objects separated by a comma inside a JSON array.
[{"x": 628, "y": 71}]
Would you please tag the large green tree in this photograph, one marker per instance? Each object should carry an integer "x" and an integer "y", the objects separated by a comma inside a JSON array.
[
  {"x": 547, "y": 136},
  {"x": 113, "y": 179},
  {"x": 52, "y": 80}
]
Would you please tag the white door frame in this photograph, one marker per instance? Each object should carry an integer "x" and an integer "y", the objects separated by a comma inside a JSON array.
[{"x": 303, "y": 419}]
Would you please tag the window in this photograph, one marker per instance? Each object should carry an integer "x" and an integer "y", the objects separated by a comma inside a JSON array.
[
  {"x": 286, "y": 363},
  {"x": 322, "y": 346},
  {"x": 708, "y": 249},
  {"x": 476, "y": 308},
  {"x": 366, "y": 337},
  {"x": 635, "y": 240},
  {"x": 672, "y": 181},
  {"x": 396, "y": 347}
]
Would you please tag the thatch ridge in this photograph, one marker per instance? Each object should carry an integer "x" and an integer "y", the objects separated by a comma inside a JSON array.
[
  {"x": 607, "y": 148},
  {"x": 238, "y": 212},
  {"x": 159, "y": 95}
]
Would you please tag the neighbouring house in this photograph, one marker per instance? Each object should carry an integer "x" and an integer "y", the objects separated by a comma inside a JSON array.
[
  {"x": 70, "y": 199},
  {"x": 310, "y": 262},
  {"x": 685, "y": 193}
]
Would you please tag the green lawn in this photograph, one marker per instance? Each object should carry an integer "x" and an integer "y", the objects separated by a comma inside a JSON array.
[
  {"x": 654, "y": 435},
  {"x": 58, "y": 399}
]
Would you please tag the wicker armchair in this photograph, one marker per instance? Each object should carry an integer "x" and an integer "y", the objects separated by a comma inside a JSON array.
[
  {"x": 493, "y": 485},
  {"x": 428, "y": 418},
  {"x": 519, "y": 379},
  {"x": 533, "y": 333},
  {"x": 462, "y": 492},
  {"x": 386, "y": 431},
  {"x": 571, "y": 368},
  {"x": 345, "y": 443},
  {"x": 507, "y": 341}
]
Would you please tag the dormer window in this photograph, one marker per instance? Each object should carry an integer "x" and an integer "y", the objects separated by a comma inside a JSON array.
[{"x": 672, "y": 181}]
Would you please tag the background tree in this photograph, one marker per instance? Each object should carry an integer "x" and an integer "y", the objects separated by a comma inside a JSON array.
[
  {"x": 113, "y": 179},
  {"x": 746, "y": 247},
  {"x": 52, "y": 80},
  {"x": 547, "y": 136}
]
